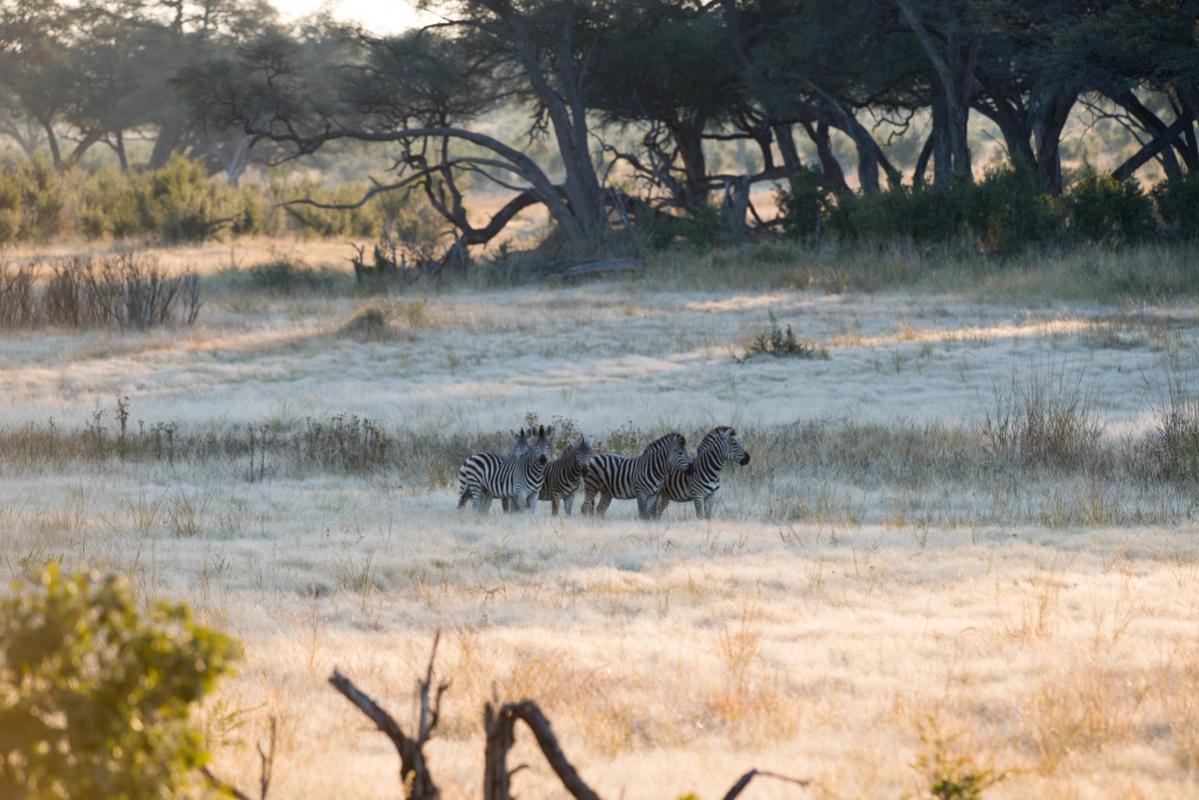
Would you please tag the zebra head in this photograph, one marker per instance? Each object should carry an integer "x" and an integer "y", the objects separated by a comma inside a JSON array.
[
  {"x": 540, "y": 445},
  {"x": 581, "y": 445},
  {"x": 733, "y": 451},
  {"x": 520, "y": 443},
  {"x": 676, "y": 451}
]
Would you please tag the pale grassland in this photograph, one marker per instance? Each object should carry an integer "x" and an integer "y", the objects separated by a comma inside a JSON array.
[{"x": 881, "y": 590}]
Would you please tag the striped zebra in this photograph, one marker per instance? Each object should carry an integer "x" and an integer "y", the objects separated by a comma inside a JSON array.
[
  {"x": 564, "y": 474},
  {"x": 617, "y": 477},
  {"x": 700, "y": 481},
  {"x": 485, "y": 476}
]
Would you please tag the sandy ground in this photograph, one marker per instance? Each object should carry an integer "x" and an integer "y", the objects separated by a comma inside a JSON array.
[{"x": 856, "y": 642}]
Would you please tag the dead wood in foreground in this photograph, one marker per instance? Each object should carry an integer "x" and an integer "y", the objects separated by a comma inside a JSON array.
[{"x": 499, "y": 725}]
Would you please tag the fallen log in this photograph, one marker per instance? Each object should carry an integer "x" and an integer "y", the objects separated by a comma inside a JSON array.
[{"x": 578, "y": 268}]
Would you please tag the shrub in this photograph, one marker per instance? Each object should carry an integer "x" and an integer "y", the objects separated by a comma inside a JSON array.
[
  {"x": 1174, "y": 442},
  {"x": 1045, "y": 420},
  {"x": 127, "y": 290},
  {"x": 43, "y": 200},
  {"x": 1101, "y": 208},
  {"x": 782, "y": 343},
  {"x": 804, "y": 205},
  {"x": 919, "y": 214},
  {"x": 1177, "y": 200},
  {"x": 1007, "y": 210},
  {"x": 284, "y": 277},
  {"x": 96, "y": 694}
]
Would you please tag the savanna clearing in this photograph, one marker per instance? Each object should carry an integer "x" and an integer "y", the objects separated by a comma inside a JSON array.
[{"x": 907, "y": 583}]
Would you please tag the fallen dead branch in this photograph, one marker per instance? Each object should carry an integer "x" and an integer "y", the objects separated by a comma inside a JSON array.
[{"x": 499, "y": 723}]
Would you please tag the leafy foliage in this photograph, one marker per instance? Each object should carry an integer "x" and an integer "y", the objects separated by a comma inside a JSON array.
[
  {"x": 1099, "y": 207},
  {"x": 95, "y": 693}
]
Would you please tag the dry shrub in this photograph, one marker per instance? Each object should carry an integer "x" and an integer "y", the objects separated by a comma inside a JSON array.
[
  {"x": 1174, "y": 442},
  {"x": 749, "y": 701},
  {"x": 1084, "y": 709},
  {"x": 126, "y": 290},
  {"x": 1044, "y": 420}
]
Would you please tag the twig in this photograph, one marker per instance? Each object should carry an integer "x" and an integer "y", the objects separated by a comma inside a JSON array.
[{"x": 745, "y": 780}]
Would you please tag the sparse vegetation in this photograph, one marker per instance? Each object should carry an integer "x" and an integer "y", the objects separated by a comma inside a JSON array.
[{"x": 782, "y": 343}]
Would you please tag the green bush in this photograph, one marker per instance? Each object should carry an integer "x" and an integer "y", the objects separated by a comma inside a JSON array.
[
  {"x": 921, "y": 215},
  {"x": 1101, "y": 208},
  {"x": 10, "y": 208},
  {"x": 1007, "y": 211},
  {"x": 805, "y": 203},
  {"x": 96, "y": 694},
  {"x": 43, "y": 200},
  {"x": 1177, "y": 202}
]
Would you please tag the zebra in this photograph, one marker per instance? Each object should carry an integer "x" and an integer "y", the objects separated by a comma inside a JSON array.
[
  {"x": 612, "y": 476},
  {"x": 484, "y": 476},
  {"x": 563, "y": 475},
  {"x": 700, "y": 481}
]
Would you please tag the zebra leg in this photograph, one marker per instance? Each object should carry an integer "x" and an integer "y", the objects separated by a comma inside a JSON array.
[
  {"x": 463, "y": 495},
  {"x": 709, "y": 501},
  {"x": 699, "y": 507},
  {"x": 531, "y": 503},
  {"x": 554, "y": 506},
  {"x": 660, "y": 504},
  {"x": 588, "y": 507},
  {"x": 644, "y": 506},
  {"x": 605, "y": 501},
  {"x": 504, "y": 506},
  {"x": 567, "y": 502},
  {"x": 485, "y": 503}
]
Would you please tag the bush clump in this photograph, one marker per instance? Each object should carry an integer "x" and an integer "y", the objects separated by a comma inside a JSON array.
[
  {"x": 1101, "y": 208},
  {"x": 782, "y": 343},
  {"x": 96, "y": 693}
]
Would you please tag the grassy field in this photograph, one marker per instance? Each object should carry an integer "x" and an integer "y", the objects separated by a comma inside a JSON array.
[{"x": 961, "y": 550}]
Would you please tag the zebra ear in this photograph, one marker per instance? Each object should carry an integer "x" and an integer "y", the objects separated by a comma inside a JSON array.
[
  {"x": 541, "y": 431},
  {"x": 549, "y": 431}
]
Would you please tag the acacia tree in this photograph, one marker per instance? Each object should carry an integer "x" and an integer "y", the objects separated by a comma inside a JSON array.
[
  {"x": 423, "y": 93},
  {"x": 660, "y": 71}
]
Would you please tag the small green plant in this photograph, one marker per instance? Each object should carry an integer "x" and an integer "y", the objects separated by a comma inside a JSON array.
[
  {"x": 96, "y": 693},
  {"x": 782, "y": 342},
  {"x": 951, "y": 776}
]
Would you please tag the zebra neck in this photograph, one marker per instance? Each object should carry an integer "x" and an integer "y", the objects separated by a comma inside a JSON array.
[
  {"x": 534, "y": 469},
  {"x": 568, "y": 466},
  {"x": 708, "y": 462}
]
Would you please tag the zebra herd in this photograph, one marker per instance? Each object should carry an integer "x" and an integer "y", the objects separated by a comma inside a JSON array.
[{"x": 664, "y": 473}]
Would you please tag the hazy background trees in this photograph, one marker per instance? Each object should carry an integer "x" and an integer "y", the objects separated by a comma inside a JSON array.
[{"x": 613, "y": 113}]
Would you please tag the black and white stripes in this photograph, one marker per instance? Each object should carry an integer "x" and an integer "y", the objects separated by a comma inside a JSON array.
[
  {"x": 564, "y": 474},
  {"x": 662, "y": 474},
  {"x": 518, "y": 478},
  {"x": 618, "y": 477},
  {"x": 699, "y": 481}
]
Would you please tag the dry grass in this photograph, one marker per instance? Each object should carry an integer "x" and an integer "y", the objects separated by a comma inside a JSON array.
[{"x": 889, "y": 602}]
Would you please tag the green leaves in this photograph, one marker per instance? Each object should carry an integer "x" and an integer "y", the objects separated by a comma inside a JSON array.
[{"x": 95, "y": 693}]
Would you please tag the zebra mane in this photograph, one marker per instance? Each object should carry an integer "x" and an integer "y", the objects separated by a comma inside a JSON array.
[
  {"x": 665, "y": 441},
  {"x": 712, "y": 436}
]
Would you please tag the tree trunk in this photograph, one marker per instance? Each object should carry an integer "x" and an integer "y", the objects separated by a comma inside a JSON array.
[
  {"x": 119, "y": 147},
  {"x": 829, "y": 165},
  {"x": 689, "y": 139},
  {"x": 52, "y": 141}
]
